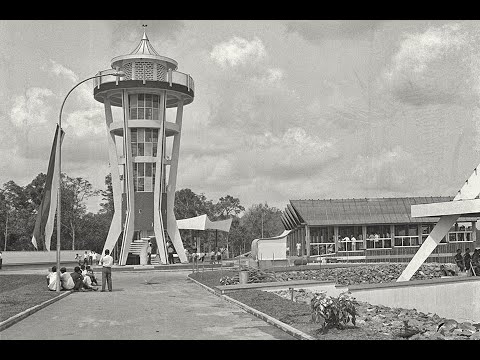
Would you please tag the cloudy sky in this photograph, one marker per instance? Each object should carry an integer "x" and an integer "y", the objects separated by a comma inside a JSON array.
[{"x": 283, "y": 109}]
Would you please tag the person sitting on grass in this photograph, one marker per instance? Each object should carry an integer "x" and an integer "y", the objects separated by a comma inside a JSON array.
[
  {"x": 52, "y": 279},
  {"x": 80, "y": 284},
  {"x": 89, "y": 272},
  {"x": 66, "y": 280},
  {"x": 86, "y": 277}
]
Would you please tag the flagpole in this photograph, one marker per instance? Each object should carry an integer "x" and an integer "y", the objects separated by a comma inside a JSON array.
[{"x": 59, "y": 158}]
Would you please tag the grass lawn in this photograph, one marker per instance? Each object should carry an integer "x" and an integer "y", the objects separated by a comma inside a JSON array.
[{"x": 21, "y": 292}]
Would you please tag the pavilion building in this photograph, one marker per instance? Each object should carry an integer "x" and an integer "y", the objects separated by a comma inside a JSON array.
[{"x": 371, "y": 229}]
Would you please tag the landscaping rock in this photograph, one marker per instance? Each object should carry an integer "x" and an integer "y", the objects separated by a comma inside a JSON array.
[
  {"x": 401, "y": 323},
  {"x": 448, "y": 326},
  {"x": 467, "y": 326},
  {"x": 475, "y": 336}
]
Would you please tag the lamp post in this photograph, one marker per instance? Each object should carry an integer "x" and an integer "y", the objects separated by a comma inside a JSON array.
[{"x": 59, "y": 159}]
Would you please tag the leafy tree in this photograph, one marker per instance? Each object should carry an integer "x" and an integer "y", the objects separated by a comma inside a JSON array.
[
  {"x": 188, "y": 204},
  {"x": 256, "y": 218},
  {"x": 107, "y": 207},
  {"x": 16, "y": 213},
  {"x": 74, "y": 192},
  {"x": 34, "y": 191},
  {"x": 227, "y": 207},
  {"x": 93, "y": 230}
]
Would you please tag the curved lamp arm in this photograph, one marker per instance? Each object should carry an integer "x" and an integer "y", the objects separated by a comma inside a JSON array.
[{"x": 58, "y": 154}]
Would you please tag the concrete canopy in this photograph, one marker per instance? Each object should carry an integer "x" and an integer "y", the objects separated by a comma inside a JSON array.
[{"x": 202, "y": 222}]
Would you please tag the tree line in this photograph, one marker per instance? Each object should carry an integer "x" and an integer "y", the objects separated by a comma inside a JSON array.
[{"x": 81, "y": 229}]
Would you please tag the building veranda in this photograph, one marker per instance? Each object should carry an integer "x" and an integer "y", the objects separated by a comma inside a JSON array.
[{"x": 371, "y": 229}]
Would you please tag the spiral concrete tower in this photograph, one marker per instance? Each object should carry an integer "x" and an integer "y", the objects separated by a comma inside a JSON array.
[{"x": 143, "y": 196}]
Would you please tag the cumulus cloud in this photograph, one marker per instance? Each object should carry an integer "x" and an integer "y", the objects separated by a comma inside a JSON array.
[
  {"x": 270, "y": 76},
  {"x": 293, "y": 154},
  {"x": 60, "y": 70},
  {"x": 394, "y": 170},
  {"x": 238, "y": 51},
  {"x": 437, "y": 66},
  {"x": 31, "y": 108},
  {"x": 85, "y": 123},
  {"x": 319, "y": 30}
]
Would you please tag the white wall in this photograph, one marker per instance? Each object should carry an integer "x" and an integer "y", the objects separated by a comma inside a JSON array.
[
  {"x": 272, "y": 249},
  {"x": 39, "y": 257},
  {"x": 457, "y": 300}
]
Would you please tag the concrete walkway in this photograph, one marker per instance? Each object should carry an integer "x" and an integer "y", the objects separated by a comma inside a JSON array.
[{"x": 144, "y": 305}]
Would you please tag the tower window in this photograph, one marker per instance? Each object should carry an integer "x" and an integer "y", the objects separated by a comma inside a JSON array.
[
  {"x": 144, "y": 106},
  {"x": 144, "y": 142},
  {"x": 143, "y": 176}
]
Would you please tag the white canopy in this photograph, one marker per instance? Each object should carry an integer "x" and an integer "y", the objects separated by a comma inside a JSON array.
[{"x": 202, "y": 222}]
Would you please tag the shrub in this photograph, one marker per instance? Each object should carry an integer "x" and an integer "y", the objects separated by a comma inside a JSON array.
[
  {"x": 300, "y": 262},
  {"x": 227, "y": 280},
  {"x": 333, "y": 312}
]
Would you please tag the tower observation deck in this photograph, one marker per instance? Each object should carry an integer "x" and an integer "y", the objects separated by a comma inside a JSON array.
[{"x": 143, "y": 196}]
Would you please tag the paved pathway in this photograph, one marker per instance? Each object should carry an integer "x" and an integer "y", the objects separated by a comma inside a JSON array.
[{"x": 169, "y": 306}]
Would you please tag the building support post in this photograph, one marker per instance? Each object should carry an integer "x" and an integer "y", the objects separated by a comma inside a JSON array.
[
  {"x": 116, "y": 225},
  {"x": 307, "y": 238}
]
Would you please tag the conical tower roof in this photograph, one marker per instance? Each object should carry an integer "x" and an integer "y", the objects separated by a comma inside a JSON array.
[{"x": 144, "y": 48}]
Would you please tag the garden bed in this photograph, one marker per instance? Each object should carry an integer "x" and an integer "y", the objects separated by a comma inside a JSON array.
[{"x": 372, "y": 322}]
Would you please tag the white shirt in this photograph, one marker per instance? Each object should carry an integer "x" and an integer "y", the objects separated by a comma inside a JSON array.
[
  {"x": 346, "y": 238},
  {"x": 299, "y": 246},
  {"x": 52, "y": 281},
  {"x": 106, "y": 261},
  {"x": 67, "y": 281},
  {"x": 87, "y": 280},
  {"x": 353, "y": 238}
]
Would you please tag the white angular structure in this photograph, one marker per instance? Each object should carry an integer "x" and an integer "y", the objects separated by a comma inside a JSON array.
[
  {"x": 464, "y": 203},
  {"x": 143, "y": 198}
]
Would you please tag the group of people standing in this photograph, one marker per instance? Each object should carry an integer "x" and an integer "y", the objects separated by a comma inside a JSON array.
[
  {"x": 83, "y": 278},
  {"x": 90, "y": 257},
  {"x": 215, "y": 256},
  {"x": 170, "y": 252},
  {"x": 467, "y": 262}
]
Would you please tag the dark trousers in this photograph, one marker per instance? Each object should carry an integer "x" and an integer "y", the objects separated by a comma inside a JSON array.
[
  {"x": 149, "y": 262},
  {"x": 1, "y": 260},
  {"x": 78, "y": 284},
  {"x": 170, "y": 258},
  {"x": 107, "y": 278},
  {"x": 94, "y": 279}
]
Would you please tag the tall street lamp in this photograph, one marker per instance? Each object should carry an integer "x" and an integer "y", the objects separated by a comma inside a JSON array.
[{"x": 59, "y": 159}]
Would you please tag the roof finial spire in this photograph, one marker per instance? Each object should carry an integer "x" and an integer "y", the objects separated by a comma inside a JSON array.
[{"x": 144, "y": 32}]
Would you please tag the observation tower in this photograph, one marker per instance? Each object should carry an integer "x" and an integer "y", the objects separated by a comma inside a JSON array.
[{"x": 143, "y": 194}]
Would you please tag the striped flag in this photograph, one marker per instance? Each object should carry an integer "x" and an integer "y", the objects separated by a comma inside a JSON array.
[{"x": 43, "y": 230}]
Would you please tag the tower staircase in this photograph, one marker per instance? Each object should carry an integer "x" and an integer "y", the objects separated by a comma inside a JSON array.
[{"x": 137, "y": 246}]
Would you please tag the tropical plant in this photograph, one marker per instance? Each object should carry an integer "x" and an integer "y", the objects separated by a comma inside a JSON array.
[{"x": 332, "y": 312}]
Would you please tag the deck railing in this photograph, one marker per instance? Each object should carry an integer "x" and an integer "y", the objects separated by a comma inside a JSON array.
[{"x": 173, "y": 77}]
